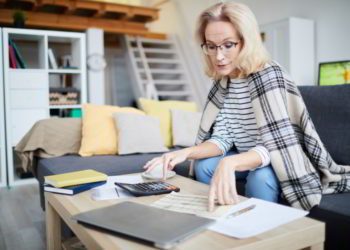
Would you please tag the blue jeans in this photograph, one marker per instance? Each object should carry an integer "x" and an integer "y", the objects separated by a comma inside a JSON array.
[{"x": 261, "y": 183}]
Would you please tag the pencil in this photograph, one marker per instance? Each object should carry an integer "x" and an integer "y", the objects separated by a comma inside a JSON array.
[
  {"x": 116, "y": 189},
  {"x": 241, "y": 211}
]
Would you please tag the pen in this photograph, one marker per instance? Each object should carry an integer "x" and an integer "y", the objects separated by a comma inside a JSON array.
[
  {"x": 116, "y": 189},
  {"x": 241, "y": 211}
]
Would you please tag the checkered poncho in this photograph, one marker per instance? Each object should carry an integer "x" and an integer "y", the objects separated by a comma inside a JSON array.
[{"x": 302, "y": 164}]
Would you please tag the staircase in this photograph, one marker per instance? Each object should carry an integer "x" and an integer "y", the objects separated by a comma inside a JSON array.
[{"x": 158, "y": 69}]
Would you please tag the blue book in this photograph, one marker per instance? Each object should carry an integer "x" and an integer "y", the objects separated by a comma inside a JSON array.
[{"x": 71, "y": 190}]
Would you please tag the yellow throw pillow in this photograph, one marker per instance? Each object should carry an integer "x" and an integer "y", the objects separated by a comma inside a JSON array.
[
  {"x": 99, "y": 135},
  {"x": 161, "y": 110}
]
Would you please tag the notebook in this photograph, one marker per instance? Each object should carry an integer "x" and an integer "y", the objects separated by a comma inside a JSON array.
[
  {"x": 75, "y": 178},
  {"x": 71, "y": 190},
  {"x": 162, "y": 228}
]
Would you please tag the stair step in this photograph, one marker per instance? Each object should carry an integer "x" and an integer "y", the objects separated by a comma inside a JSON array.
[
  {"x": 151, "y": 41},
  {"x": 155, "y": 41},
  {"x": 163, "y": 71},
  {"x": 157, "y": 51},
  {"x": 168, "y": 82},
  {"x": 173, "y": 93},
  {"x": 160, "y": 60},
  {"x": 162, "y": 67}
]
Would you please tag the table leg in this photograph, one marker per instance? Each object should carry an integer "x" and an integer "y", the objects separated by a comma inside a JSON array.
[{"x": 53, "y": 228}]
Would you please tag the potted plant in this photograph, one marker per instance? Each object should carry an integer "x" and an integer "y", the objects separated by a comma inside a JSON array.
[{"x": 19, "y": 19}]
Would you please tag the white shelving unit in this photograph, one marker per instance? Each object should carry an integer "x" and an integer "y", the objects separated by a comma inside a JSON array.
[
  {"x": 3, "y": 168},
  {"x": 27, "y": 91},
  {"x": 291, "y": 43}
]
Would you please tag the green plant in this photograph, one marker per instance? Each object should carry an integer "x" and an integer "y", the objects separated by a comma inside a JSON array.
[{"x": 19, "y": 16}]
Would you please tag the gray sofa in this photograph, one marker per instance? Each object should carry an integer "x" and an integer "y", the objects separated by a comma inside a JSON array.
[{"x": 329, "y": 108}]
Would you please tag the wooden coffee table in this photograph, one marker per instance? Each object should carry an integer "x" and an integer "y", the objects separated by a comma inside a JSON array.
[{"x": 304, "y": 233}]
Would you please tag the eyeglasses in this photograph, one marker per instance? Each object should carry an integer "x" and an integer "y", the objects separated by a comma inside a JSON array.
[{"x": 211, "y": 49}]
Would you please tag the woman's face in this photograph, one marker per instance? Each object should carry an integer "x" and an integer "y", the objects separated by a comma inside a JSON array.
[{"x": 223, "y": 46}]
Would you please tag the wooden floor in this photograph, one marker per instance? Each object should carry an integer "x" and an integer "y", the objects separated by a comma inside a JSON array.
[{"x": 22, "y": 221}]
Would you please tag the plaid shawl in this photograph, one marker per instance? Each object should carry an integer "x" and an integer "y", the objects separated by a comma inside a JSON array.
[{"x": 302, "y": 164}]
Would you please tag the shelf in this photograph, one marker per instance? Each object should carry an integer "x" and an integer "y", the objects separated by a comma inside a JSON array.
[
  {"x": 28, "y": 49},
  {"x": 26, "y": 70},
  {"x": 64, "y": 71},
  {"x": 78, "y": 106},
  {"x": 27, "y": 181},
  {"x": 28, "y": 90}
]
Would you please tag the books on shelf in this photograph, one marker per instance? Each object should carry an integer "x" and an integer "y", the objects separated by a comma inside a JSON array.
[
  {"x": 13, "y": 63},
  {"x": 52, "y": 59},
  {"x": 75, "y": 178},
  {"x": 16, "y": 59},
  {"x": 71, "y": 190}
]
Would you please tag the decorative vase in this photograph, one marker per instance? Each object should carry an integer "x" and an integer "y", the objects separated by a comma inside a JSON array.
[{"x": 19, "y": 23}]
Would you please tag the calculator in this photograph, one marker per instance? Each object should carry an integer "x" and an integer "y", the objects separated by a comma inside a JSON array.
[{"x": 148, "y": 188}]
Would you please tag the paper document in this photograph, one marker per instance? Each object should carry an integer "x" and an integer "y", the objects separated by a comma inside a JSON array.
[
  {"x": 255, "y": 216},
  {"x": 110, "y": 191},
  {"x": 189, "y": 203}
]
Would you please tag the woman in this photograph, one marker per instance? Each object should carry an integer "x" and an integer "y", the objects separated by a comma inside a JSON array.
[{"x": 255, "y": 124}]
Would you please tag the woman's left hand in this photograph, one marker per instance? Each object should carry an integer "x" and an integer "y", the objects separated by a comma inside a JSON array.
[{"x": 223, "y": 184}]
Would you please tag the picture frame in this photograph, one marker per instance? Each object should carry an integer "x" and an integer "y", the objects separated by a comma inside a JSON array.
[{"x": 334, "y": 73}]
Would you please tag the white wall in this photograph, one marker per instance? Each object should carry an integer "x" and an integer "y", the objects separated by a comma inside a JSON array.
[
  {"x": 331, "y": 18},
  {"x": 332, "y": 21}
]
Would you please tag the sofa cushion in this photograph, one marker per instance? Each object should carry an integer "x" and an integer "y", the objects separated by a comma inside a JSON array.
[
  {"x": 99, "y": 136},
  {"x": 161, "y": 109},
  {"x": 185, "y": 125},
  {"x": 108, "y": 164},
  {"x": 334, "y": 210},
  {"x": 329, "y": 108},
  {"x": 138, "y": 134}
]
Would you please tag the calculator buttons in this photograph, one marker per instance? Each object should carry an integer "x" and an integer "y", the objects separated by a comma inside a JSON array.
[{"x": 148, "y": 188}]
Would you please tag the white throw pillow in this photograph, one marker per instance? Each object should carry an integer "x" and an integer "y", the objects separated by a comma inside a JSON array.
[
  {"x": 185, "y": 125},
  {"x": 138, "y": 134}
]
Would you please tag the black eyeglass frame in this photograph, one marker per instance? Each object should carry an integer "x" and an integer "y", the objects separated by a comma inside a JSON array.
[{"x": 216, "y": 47}]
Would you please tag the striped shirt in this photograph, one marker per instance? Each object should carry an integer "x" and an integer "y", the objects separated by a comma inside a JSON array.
[{"x": 235, "y": 125}]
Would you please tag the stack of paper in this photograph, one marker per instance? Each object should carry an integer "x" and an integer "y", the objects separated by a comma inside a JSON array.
[
  {"x": 246, "y": 219},
  {"x": 189, "y": 203},
  {"x": 263, "y": 217}
]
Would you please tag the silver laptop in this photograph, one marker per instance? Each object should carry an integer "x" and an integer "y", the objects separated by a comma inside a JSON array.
[{"x": 162, "y": 228}]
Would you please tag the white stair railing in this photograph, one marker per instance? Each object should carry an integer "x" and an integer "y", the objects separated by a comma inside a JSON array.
[{"x": 159, "y": 69}]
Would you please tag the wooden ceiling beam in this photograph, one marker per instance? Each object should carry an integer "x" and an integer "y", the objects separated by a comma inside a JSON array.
[
  {"x": 78, "y": 23},
  {"x": 53, "y": 6},
  {"x": 86, "y": 8},
  {"x": 19, "y": 4},
  {"x": 118, "y": 10}
]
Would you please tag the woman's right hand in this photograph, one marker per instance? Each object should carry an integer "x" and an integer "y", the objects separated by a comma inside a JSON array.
[{"x": 168, "y": 161}]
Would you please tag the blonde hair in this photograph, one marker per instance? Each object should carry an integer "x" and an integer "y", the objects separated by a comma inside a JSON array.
[{"x": 253, "y": 55}]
